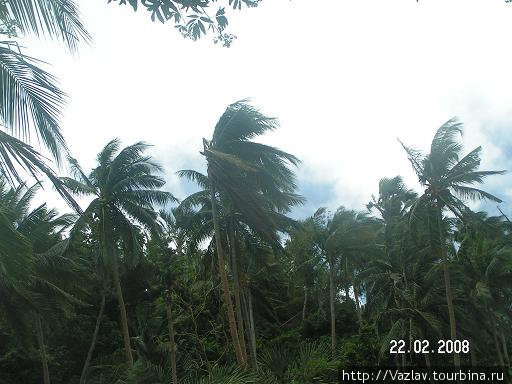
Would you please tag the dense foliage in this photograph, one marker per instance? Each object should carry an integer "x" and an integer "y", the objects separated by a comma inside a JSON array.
[
  {"x": 224, "y": 287},
  {"x": 135, "y": 286}
]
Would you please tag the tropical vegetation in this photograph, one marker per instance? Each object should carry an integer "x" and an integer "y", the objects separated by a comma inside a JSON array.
[{"x": 226, "y": 285}]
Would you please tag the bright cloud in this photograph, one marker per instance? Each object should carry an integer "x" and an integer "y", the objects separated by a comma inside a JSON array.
[{"x": 345, "y": 81}]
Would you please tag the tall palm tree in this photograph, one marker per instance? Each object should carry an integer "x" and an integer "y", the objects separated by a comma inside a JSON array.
[
  {"x": 253, "y": 180},
  {"x": 448, "y": 181},
  {"x": 31, "y": 102},
  {"x": 125, "y": 189}
]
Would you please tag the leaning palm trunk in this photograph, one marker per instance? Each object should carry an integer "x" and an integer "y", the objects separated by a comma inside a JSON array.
[
  {"x": 331, "y": 300},
  {"x": 170, "y": 325},
  {"x": 358, "y": 307},
  {"x": 224, "y": 277},
  {"x": 236, "y": 285},
  {"x": 124, "y": 318},
  {"x": 248, "y": 328},
  {"x": 42, "y": 350},
  {"x": 447, "y": 283},
  {"x": 83, "y": 376},
  {"x": 305, "y": 302},
  {"x": 252, "y": 328}
]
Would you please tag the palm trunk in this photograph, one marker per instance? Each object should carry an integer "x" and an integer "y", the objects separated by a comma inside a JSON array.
[
  {"x": 224, "y": 278},
  {"x": 42, "y": 350},
  {"x": 238, "y": 304},
  {"x": 252, "y": 329},
  {"x": 447, "y": 284},
  {"x": 358, "y": 308},
  {"x": 347, "y": 286},
  {"x": 122, "y": 311},
  {"x": 305, "y": 302},
  {"x": 505, "y": 349},
  {"x": 170, "y": 326},
  {"x": 83, "y": 376},
  {"x": 331, "y": 299},
  {"x": 248, "y": 331}
]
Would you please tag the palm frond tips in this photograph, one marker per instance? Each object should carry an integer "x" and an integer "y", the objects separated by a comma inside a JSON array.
[
  {"x": 241, "y": 121},
  {"x": 16, "y": 156},
  {"x": 58, "y": 19},
  {"x": 197, "y": 177}
]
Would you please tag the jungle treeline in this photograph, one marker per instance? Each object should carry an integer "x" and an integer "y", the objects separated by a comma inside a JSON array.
[{"x": 223, "y": 286}]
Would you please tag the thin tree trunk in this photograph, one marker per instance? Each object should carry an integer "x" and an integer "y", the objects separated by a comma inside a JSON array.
[
  {"x": 331, "y": 299},
  {"x": 83, "y": 376},
  {"x": 347, "y": 284},
  {"x": 505, "y": 348},
  {"x": 252, "y": 328},
  {"x": 224, "y": 278},
  {"x": 42, "y": 350},
  {"x": 122, "y": 311},
  {"x": 248, "y": 331},
  {"x": 170, "y": 326},
  {"x": 305, "y": 302},
  {"x": 358, "y": 308},
  {"x": 236, "y": 279},
  {"x": 447, "y": 284}
]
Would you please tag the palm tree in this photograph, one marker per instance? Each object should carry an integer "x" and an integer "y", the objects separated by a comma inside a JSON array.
[
  {"x": 15, "y": 272},
  {"x": 34, "y": 292},
  {"x": 392, "y": 204},
  {"x": 448, "y": 182},
  {"x": 172, "y": 236},
  {"x": 53, "y": 271},
  {"x": 346, "y": 233},
  {"x": 124, "y": 188},
  {"x": 484, "y": 261},
  {"x": 253, "y": 180},
  {"x": 31, "y": 101},
  {"x": 306, "y": 256}
]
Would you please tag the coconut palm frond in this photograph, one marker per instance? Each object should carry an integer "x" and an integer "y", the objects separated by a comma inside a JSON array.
[
  {"x": 31, "y": 101},
  {"x": 58, "y": 19}
]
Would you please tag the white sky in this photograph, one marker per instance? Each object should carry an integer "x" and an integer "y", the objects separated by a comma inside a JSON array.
[{"x": 345, "y": 79}]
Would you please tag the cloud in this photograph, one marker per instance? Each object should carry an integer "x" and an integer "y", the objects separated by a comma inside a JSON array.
[{"x": 345, "y": 80}]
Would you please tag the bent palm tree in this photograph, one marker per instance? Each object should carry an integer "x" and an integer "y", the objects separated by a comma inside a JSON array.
[
  {"x": 253, "y": 180},
  {"x": 448, "y": 181},
  {"x": 125, "y": 189}
]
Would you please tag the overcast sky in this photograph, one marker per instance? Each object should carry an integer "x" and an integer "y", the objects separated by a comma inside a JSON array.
[{"x": 345, "y": 80}]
